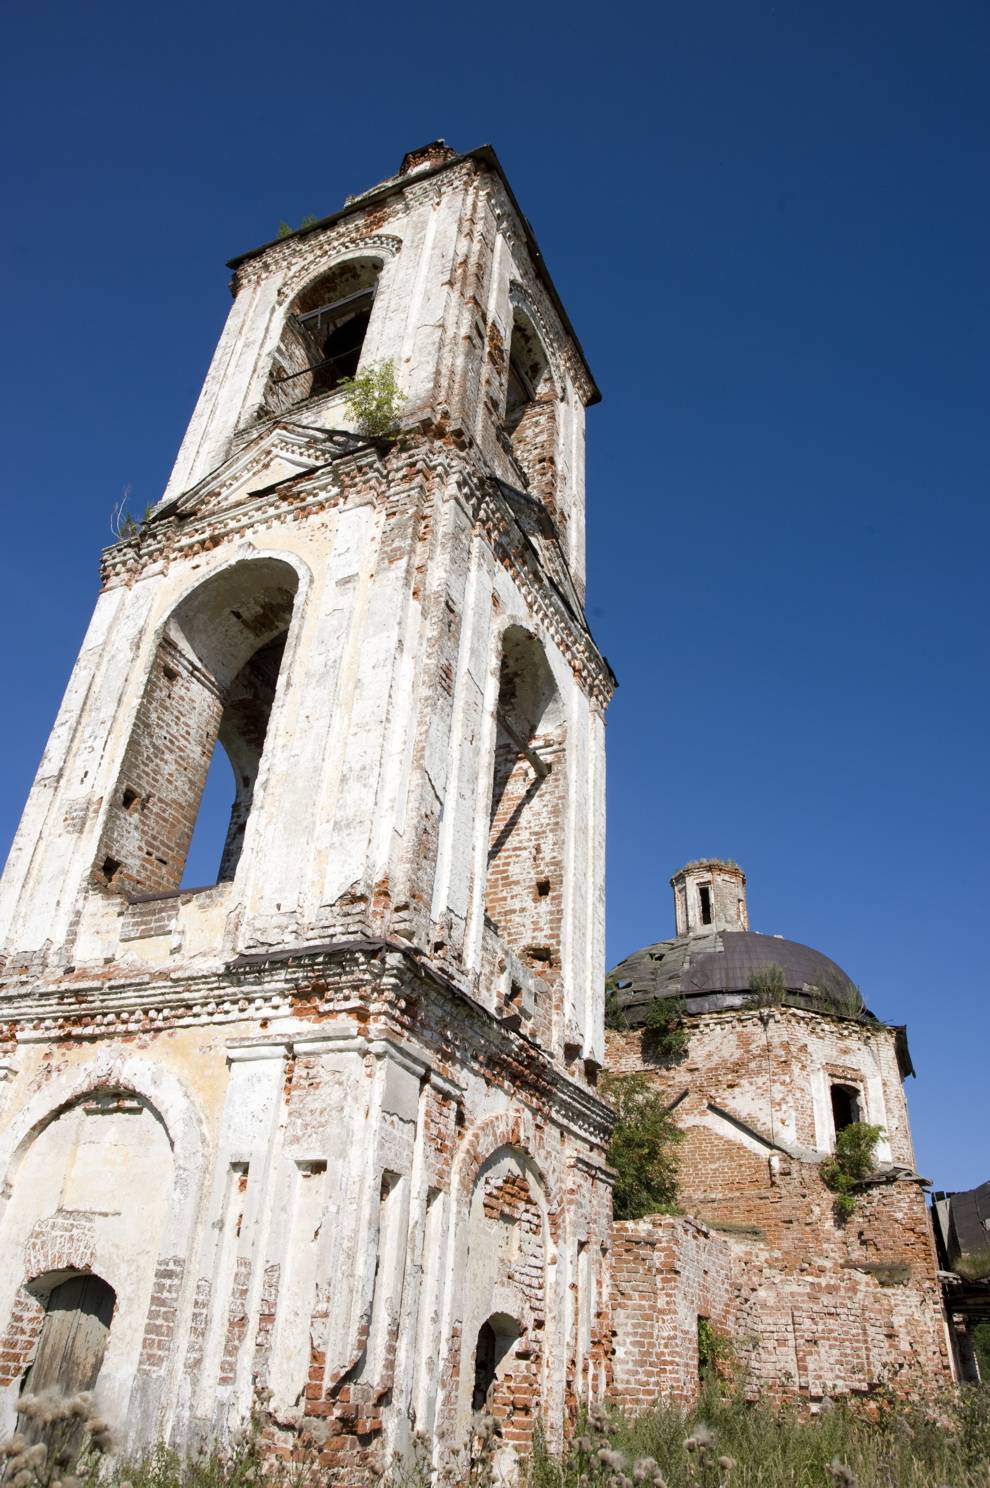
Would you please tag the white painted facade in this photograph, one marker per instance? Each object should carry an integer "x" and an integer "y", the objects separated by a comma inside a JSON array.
[{"x": 268, "y": 1112}]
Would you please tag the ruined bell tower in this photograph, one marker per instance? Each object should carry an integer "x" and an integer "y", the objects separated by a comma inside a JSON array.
[{"x": 326, "y": 1128}]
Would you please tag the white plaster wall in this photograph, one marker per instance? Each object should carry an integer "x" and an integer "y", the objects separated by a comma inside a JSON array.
[{"x": 116, "y": 1170}]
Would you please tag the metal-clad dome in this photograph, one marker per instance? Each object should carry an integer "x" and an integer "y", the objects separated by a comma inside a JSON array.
[{"x": 710, "y": 972}]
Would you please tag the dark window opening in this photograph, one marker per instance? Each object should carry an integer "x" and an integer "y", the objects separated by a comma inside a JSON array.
[
  {"x": 845, "y": 1106},
  {"x": 218, "y": 835},
  {"x": 496, "y": 1339},
  {"x": 484, "y": 1366},
  {"x": 705, "y": 895},
  {"x": 337, "y": 334}
]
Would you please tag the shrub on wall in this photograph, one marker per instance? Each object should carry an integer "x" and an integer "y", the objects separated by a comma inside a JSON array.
[
  {"x": 374, "y": 400},
  {"x": 614, "y": 1016},
  {"x": 715, "y": 1353},
  {"x": 853, "y": 1161},
  {"x": 665, "y": 1035},
  {"x": 643, "y": 1149}
]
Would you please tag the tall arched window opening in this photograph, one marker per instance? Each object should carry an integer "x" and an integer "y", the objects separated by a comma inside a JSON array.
[
  {"x": 524, "y": 887},
  {"x": 531, "y": 413},
  {"x": 212, "y": 681},
  {"x": 323, "y": 336}
]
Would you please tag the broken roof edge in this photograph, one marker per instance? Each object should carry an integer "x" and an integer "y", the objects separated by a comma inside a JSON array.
[{"x": 486, "y": 154}]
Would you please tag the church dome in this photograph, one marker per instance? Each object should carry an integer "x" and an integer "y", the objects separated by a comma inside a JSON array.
[
  {"x": 714, "y": 971},
  {"x": 717, "y": 962}
]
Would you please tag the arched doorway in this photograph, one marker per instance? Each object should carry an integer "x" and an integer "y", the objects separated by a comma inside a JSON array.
[{"x": 72, "y": 1342}]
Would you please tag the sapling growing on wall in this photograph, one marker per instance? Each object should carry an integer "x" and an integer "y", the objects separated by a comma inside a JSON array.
[
  {"x": 715, "y": 1352},
  {"x": 851, "y": 1164},
  {"x": 374, "y": 400},
  {"x": 665, "y": 1035},
  {"x": 642, "y": 1149},
  {"x": 285, "y": 230}
]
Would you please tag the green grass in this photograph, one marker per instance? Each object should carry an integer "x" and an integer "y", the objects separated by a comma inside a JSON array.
[
  {"x": 729, "y": 1443},
  {"x": 723, "y": 1442},
  {"x": 975, "y": 1266}
]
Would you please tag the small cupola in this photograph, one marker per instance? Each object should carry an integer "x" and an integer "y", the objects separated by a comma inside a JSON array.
[{"x": 709, "y": 895}]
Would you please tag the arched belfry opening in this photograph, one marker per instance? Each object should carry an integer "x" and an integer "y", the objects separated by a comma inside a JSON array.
[
  {"x": 73, "y": 1339},
  {"x": 323, "y": 335},
  {"x": 212, "y": 683},
  {"x": 524, "y": 889},
  {"x": 530, "y": 420}
]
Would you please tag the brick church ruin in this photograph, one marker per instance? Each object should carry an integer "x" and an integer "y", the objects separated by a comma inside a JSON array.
[{"x": 325, "y": 1134}]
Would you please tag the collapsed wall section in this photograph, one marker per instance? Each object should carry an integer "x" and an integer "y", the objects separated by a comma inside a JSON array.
[{"x": 813, "y": 1332}]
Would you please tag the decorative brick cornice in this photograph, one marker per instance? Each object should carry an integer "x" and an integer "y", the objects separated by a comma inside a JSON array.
[{"x": 304, "y": 991}]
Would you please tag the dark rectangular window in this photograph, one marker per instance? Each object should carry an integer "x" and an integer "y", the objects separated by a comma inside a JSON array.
[
  {"x": 705, "y": 895},
  {"x": 845, "y": 1106}
]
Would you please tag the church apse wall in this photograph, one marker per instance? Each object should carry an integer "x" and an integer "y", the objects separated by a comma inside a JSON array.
[{"x": 813, "y": 1302}]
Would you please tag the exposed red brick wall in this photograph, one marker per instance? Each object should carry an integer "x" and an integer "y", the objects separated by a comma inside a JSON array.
[
  {"x": 534, "y": 445},
  {"x": 66, "y": 1241},
  {"x": 197, "y": 1327},
  {"x": 666, "y": 1273},
  {"x": 524, "y": 896},
  {"x": 826, "y": 1306},
  {"x": 153, "y": 812},
  {"x": 20, "y": 1337},
  {"x": 514, "y": 1399},
  {"x": 266, "y": 1325},
  {"x": 236, "y": 1321},
  {"x": 159, "y": 1330}
]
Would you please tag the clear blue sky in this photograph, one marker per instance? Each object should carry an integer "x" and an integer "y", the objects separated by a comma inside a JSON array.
[{"x": 770, "y": 226}]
